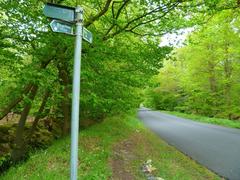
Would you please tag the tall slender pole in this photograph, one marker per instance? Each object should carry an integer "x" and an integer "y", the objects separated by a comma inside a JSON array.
[{"x": 76, "y": 93}]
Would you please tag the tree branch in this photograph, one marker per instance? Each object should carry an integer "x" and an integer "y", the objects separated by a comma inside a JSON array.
[
  {"x": 166, "y": 10},
  {"x": 115, "y": 18},
  {"x": 101, "y": 13}
]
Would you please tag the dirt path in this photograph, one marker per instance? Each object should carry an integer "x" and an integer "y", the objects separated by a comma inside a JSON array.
[
  {"x": 127, "y": 160},
  {"x": 122, "y": 157}
]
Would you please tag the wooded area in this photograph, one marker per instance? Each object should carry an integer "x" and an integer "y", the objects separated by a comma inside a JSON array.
[
  {"x": 202, "y": 77},
  {"x": 36, "y": 64}
]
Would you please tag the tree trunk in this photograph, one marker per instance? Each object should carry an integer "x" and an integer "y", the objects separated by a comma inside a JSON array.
[
  {"x": 66, "y": 111},
  {"x": 65, "y": 81},
  {"x": 228, "y": 85},
  {"x": 13, "y": 103},
  {"x": 26, "y": 90},
  {"x": 18, "y": 151},
  {"x": 39, "y": 114},
  {"x": 212, "y": 77}
]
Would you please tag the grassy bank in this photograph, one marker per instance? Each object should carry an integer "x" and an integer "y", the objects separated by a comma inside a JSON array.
[
  {"x": 115, "y": 149},
  {"x": 217, "y": 121}
]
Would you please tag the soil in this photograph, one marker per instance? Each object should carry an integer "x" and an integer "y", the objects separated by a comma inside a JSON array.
[
  {"x": 13, "y": 119},
  {"x": 123, "y": 156}
]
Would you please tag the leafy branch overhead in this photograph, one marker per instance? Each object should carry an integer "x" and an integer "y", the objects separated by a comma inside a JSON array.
[{"x": 151, "y": 18}]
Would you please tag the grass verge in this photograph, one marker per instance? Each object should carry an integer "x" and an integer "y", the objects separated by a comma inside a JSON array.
[
  {"x": 217, "y": 121},
  {"x": 102, "y": 145}
]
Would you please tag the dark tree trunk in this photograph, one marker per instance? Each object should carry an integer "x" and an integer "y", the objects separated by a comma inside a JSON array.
[
  {"x": 66, "y": 111},
  {"x": 228, "y": 68},
  {"x": 18, "y": 151},
  {"x": 26, "y": 90},
  {"x": 39, "y": 114},
  {"x": 13, "y": 103},
  {"x": 65, "y": 81}
]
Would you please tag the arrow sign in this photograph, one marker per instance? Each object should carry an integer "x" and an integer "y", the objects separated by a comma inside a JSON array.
[
  {"x": 64, "y": 13},
  {"x": 87, "y": 35},
  {"x": 61, "y": 27}
]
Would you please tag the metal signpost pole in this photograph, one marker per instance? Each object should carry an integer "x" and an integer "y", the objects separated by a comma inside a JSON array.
[
  {"x": 76, "y": 93},
  {"x": 63, "y": 18}
]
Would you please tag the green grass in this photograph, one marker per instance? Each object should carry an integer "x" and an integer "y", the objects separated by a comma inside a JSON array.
[
  {"x": 95, "y": 147},
  {"x": 169, "y": 163},
  {"x": 96, "y": 150},
  {"x": 217, "y": 121}
]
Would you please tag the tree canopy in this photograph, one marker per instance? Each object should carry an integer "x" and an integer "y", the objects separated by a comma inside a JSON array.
[{"x": 203, "y": 76}]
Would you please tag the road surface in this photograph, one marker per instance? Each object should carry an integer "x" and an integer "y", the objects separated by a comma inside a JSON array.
[{"x": 216, "y": 147}]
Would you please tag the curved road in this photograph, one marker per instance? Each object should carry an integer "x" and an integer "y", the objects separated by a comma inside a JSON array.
[{"x": 215, "y": 147}]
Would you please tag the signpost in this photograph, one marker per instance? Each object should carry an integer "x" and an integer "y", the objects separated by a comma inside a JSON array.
[
  {"x": 55, "y": 11},
  {"x": 87, "y": 35},
  {"x": 65, "y": 17},
  {"x": 61, "y": 27}
]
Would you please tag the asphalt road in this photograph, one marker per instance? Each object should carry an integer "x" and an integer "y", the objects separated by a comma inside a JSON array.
[{"x": 216, "y": 147}]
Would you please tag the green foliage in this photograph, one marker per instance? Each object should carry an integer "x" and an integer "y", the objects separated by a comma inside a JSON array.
[
  {"x": 203, "y": 76},
  {"x": 122, "y": 58},
  {"x": 5, "y": 162},
  {"x": 113, "y": 74},
  {"x": 114, "y": 69},
  {"x": 162, "y": 100}
]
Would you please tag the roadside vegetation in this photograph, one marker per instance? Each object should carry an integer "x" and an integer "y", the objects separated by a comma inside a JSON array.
[
  {"x": 217, "y": 121},
  {"x": 202, "y": 77},
  {"x": 117, "y": 148}
]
